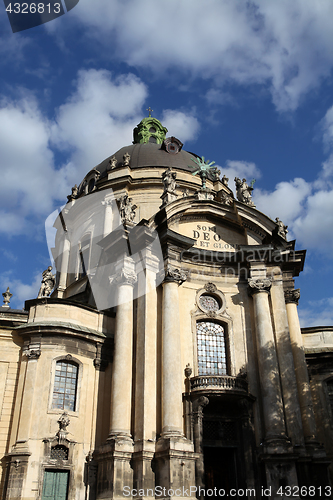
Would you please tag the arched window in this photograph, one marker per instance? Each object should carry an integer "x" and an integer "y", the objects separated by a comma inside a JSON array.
[
  {"x": 65, "y": 385},
  {"x": 212, "y": 358}
]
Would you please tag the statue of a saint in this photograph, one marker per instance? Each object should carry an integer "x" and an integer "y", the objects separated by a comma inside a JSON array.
[
  {"x": 169, "y": 181},
  {"x": 48, "y": 282},
  {"x": 225, "y": 180},
  {"x": 244, "y": 192},
  {"x": 281, "y": 228}
]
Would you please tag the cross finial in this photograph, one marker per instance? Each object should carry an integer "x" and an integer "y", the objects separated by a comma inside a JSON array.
[{"x": 150, "y": 111}]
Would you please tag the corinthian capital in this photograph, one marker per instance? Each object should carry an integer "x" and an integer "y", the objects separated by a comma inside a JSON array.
[
  {"x": 124, "y": 277},
  {"x": 173, "y": 274},
  {"x": 292, "y": 296},
  {"x": 259, "y": 285}
]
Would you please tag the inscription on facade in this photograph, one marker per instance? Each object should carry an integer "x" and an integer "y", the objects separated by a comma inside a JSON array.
[{"x": 212, "y": 237}]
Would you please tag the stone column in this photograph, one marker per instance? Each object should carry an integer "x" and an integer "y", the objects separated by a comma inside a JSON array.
[
  {"x": 197, "y": 414},
  {"x": 172, "y": 376},
  {"x": 286, "y": 363},
  {"x": 114, "y": 458},
  {"x": 108, "y": 216},
  {"x": 121, "y": 387},
  {"x": 146, "y": 373},
  {"x": 175, "y": 457},
  {"x": 302, "y": 376},
  {"x": 63, "y": 266},
  {"x": 272, "y": 405}
]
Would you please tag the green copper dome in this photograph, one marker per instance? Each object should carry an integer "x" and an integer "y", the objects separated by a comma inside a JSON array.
[{"x": 149, "y": 130}]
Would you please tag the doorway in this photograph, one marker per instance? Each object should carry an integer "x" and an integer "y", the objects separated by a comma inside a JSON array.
[
  {"x": 220, "y": 468},
  {"x": 55, "y": 484}
]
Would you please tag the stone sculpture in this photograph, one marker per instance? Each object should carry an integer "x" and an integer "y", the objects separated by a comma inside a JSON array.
[{"x": 48, "y": 282}]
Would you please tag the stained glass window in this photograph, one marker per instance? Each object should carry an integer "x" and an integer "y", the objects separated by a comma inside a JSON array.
[
  {"x": 209, "y": 303},
  {"x": 65, "y": 385},
  {"x": 211, "y": 348}
]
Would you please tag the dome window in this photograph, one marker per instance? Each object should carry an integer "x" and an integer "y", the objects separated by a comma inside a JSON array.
[{"x": 172, "y": 145}]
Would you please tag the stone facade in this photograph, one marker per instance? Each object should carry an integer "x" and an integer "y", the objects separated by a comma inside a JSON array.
[{"x": 169, "y": 355}]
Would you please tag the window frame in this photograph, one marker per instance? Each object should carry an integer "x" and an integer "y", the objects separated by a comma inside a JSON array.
[
  {"x": 226, "y": 347},
  {"x": 78, "y": 363}
]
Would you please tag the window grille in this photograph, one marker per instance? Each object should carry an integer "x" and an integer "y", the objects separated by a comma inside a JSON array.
[
  {"x": 59, "y": 452},
  {"x": 220, "y": 430},
  {"x": 65, "y": 386},
  {"x": 211, "y": 348}
]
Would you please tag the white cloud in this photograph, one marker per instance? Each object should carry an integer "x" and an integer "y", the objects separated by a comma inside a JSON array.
[
  {"x": 287, "y": 45},
  {"x": 317, "y": 313},
  {"x": 184, "y": 126},
  {"x": 285, "y": 202},
  {"x": 314, "y": 228},
  {"x": 21, "y": 291},
  {"x": 98, "y": 118}
]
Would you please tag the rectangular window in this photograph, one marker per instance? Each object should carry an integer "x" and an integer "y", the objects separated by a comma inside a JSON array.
[{"x": 65, "y": 386}]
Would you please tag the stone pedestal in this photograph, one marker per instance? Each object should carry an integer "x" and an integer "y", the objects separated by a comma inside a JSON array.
[
  {"x": 175, "y": 468},
  {"x": 114, "y": 469}
]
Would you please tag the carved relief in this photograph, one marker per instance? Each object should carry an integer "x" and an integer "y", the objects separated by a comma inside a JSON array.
[{"x": 126, "y": 209}]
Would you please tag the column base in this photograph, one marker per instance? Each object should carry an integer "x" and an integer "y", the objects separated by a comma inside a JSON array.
[
  {"x": 18, "y": 465},
  {"x": 114, "y": 471},
  {"x": 280, "y": 471},
  {"x": 175, "y": 467},
  {"x": 143, "y": 467}
]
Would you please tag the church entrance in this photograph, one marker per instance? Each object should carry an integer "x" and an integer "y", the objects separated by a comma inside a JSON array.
[
  {"x": 220, "y": 469},
  {"x": 55, "y": 485}
]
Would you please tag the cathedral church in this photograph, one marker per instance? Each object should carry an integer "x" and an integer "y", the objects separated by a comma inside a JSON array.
[{"x": 163, "y": 356}]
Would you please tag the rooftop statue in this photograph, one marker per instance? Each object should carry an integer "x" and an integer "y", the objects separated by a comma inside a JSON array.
[
  {"x": 112, "y": 163},
  {"x": 48, "y": 282},
  {"x": 281, "y": 228},
  {"x": 74, "y": 193},
  {"x": 126, "y": 159},
  {"x": 244, "y": 191},
  {"x": 169, "y": 181}
]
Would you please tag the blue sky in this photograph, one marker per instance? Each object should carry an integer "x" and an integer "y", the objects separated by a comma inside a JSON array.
[{"x": 246, "y": 84}]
